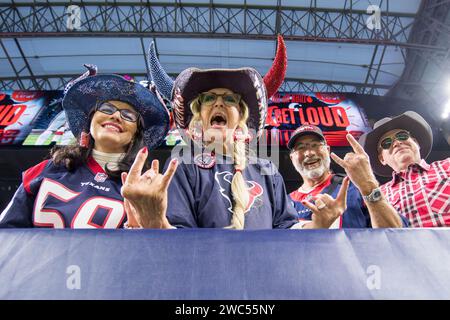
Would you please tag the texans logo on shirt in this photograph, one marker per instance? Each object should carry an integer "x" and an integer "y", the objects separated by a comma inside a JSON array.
[{"x": 224, "y": 180}]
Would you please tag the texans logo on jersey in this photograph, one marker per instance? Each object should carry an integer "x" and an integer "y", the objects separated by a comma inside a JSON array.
[{"x": 224, "y": 180}]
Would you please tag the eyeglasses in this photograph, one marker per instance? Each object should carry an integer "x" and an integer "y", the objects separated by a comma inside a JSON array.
[
  {"x": 125, "y": 114},
  {"x": 301, "y": 147},
  {"x": 230, "y": 99},
  {"x": 400, "y": 136}
]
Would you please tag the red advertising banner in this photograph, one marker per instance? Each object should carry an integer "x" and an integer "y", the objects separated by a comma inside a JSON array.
[
  {"x": 19, "y": 113},
  {"x": 37, "y": 118},
  {"x": 335, "y": 113}
]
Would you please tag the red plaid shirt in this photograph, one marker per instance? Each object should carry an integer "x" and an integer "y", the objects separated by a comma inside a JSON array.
[{"x": 422, "y": 193}]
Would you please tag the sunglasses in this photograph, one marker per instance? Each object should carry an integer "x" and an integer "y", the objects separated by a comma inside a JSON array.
[
  {"x": 230, "y": 99},
  {"x": 400, "y": 136},
  {"x": 125, "y": 114}
]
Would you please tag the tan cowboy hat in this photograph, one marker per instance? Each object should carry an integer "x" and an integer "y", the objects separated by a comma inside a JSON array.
[{"x": 409, "y": 121}]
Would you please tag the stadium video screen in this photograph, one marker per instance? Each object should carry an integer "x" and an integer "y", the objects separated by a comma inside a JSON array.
[{"x": 36, "y": 118}]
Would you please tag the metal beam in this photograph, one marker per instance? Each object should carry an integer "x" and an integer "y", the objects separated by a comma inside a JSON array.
[
  {"x": 27, "y": 65},
  {"x": 57, "y": 82},
  {"x": 369, "y": 71},
  {"x": 141, "y": 19},
  {"x": 13, "y": 67},
  {"x": 182, "y": 20},
  {"x": 432, "y": 27}
]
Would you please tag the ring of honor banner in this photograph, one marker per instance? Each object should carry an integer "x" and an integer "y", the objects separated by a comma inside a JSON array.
[{"x": 37, "y": 117}]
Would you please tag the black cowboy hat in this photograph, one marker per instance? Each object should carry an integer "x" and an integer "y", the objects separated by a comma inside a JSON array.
[
  {"x": 85, "y": 94},
  {"x": 253, "y": 88}
]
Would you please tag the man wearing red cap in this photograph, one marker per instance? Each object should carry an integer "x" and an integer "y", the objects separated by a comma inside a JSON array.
[
  {"x": 327, "y": 200},
  {"x": 398, "y": 147}
]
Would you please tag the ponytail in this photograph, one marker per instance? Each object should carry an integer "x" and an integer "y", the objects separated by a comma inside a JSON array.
[{"x": 239, "y": 188}]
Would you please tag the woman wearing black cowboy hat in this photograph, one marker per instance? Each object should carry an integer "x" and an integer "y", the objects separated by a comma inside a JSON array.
[
  {"x": 80, "y": 187},
  {"x": 221, "y": 186}
]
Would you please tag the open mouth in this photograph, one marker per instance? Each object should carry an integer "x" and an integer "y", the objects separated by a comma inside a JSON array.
[
  {"x": 218, "y": 120},
  {"x": 112, "y": 127},
  {"x": 311, "y": 163}
]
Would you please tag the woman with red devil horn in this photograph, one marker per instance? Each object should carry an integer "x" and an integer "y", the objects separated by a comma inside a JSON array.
[{"x": 222, "y": 186}]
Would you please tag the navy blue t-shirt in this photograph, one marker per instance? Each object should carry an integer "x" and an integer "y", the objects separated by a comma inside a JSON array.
[
  {"x": 50, "y": 196},
  {"x": 202, "y": 198}
]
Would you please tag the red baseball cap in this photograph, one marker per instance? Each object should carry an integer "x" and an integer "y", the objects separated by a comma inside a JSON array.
[{"x": 303, "y": 130}]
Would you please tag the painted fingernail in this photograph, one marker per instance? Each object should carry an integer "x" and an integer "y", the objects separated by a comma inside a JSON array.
[{"x": 144, "y": 150}]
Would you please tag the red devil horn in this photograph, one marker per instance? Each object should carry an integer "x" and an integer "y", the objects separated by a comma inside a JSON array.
[{"x": 274, "y": 78}]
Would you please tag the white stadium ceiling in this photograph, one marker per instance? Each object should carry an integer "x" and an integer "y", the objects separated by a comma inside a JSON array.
[{"x": 329, "y": 45}]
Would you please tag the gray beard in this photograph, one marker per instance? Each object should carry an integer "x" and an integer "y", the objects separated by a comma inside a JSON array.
[{"x": 314, "y": 173}]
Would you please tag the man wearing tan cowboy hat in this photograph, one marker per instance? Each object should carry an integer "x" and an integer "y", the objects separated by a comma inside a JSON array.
[
  {"x": 419, "y": 191},
  {"x": 327, "y": 200}
]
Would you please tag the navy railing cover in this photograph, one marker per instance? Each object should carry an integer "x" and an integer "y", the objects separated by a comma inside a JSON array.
[{"x": 223, "y": 264}]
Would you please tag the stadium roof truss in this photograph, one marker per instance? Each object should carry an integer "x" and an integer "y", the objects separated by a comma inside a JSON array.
[{"x": 333, "y": 45}]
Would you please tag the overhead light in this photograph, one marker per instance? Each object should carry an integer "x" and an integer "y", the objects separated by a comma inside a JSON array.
[{"x": 446, "y": 111}]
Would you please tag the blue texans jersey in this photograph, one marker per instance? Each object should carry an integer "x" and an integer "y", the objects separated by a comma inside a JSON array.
[
  {"x": 202, "y": 198},
  {"x": 50, "y": 196}
]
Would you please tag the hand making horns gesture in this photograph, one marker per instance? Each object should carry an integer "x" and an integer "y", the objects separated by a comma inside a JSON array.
[
  {"x": 357, "y": 167},
  {"x": 145, "y": 195},
  {"x": 326, "y": 209}
]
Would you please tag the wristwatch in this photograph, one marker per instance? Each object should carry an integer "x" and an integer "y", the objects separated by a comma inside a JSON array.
[{"x": 374, "y": 196}]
